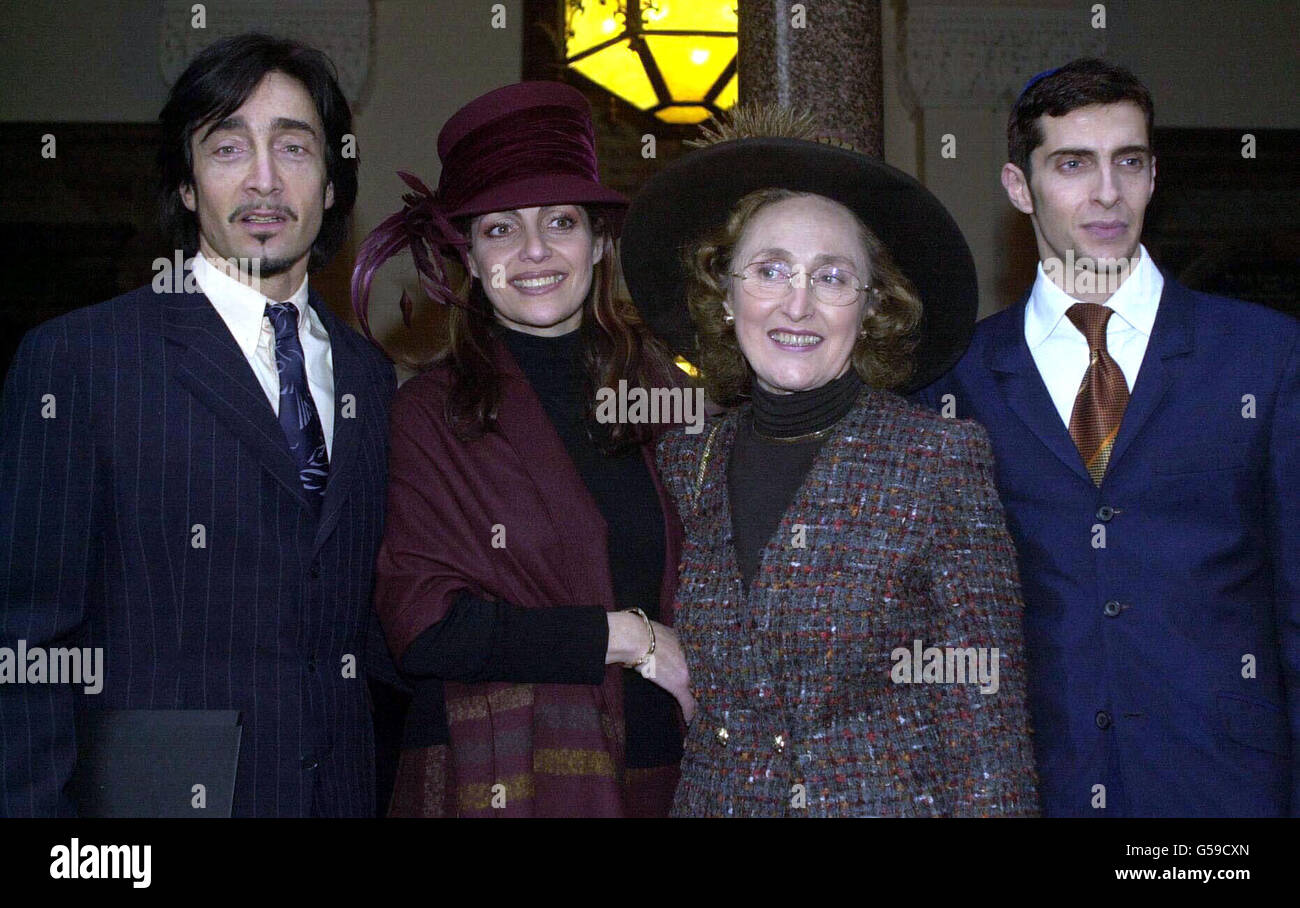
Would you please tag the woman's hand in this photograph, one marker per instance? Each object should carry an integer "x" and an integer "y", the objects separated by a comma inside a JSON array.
[
  {"x": 667, "y": 668},
  {"x": 628, "y": 637},
  {"x": 629, "y": 641}
]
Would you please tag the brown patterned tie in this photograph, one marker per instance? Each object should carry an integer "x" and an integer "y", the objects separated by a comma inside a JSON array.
[{"x": 1103, "y": 393}]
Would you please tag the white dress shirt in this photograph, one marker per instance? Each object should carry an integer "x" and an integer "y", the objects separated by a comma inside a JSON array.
[
  {"x": 1061, "y": 351},
  {"x": 243, "y": 310}
]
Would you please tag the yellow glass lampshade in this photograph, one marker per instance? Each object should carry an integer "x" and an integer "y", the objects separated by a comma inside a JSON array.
[
  {"x": 663, "y": 56},
  {"x": 618, "y": 70}
]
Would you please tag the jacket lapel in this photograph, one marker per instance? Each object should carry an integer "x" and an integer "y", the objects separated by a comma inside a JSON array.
[
  {"x": 1022, "y": 388},
  {"x": 672, "y": 539},
  {"x": 713, "y": 505},
  {"x": 211, "y": 365},
  {"x": 349, "y": 379},
  {"x": 1171, "y": 338}
]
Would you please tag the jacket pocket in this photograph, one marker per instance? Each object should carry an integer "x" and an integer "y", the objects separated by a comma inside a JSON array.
[
  {"x": 1204, "y": 458},
  {"x": 1254, "y": 723}
]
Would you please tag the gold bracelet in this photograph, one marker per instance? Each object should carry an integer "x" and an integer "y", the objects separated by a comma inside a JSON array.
[{"x": 650, "y": 628}]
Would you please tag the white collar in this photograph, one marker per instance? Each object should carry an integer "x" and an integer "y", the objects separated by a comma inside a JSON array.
[
  {"x": 1136, "y": 301},
  {"x": 241, "y": 307}
]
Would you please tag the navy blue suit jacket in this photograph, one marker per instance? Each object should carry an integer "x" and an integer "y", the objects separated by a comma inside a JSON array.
[
  {"x": 1162, "y": 610},
  {"x": 159, "y": 515}
]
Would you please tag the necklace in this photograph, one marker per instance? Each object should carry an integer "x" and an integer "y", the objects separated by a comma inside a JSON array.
[
  {"x": 802, "y": 409},
  {"x": 794, "y": 439}
]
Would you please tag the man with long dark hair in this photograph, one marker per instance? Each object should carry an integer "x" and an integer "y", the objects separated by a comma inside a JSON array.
[
  {"x": 1147, "y": 440},
  {"x": 192, "y": 474}
]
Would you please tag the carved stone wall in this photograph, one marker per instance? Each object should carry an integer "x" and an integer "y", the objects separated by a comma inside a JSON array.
[
  {"x": 961, "y": 56},
  {"x": 340, "y": 28}
]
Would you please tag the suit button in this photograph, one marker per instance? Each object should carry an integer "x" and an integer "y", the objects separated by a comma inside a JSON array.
[
  {"x": 723, "y": 735},
  {"x": 309, "y": 764},
  {"x": 314, "y": 571},
  {"x": 1103, "y": 719},
  {"x": 778, "y": 743},
  {"x": 1105, "y": 512},
  {"x": 1111, "y": 609}
]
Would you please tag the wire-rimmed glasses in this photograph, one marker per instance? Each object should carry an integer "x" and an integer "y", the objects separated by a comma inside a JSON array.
[{"x": 830, "y": 284}]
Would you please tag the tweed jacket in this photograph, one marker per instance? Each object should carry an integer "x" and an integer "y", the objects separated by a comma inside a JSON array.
[{"x": 895, "y": 536}]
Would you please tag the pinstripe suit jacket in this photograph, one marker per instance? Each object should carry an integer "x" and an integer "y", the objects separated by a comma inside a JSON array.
[{"x": 157, "y": 513}]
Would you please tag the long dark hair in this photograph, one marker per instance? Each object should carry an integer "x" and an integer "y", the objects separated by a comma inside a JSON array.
[
  {"x": 215, "y": 84},
  {"x": 616, "y": 346}
]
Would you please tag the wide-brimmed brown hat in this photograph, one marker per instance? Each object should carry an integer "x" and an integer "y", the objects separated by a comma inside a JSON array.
[{"x": 694, "y": 195}]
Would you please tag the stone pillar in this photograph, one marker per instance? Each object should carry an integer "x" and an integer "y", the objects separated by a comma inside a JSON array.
[{"x": 824, "y": 57}]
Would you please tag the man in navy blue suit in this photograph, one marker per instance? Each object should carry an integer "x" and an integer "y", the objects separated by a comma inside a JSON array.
[
  {"x": 192, "y": 475},
  {"x": 1146, "y": 439}
]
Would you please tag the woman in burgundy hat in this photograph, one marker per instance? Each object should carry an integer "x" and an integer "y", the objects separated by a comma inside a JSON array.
[{"x": 529, "y": 557}]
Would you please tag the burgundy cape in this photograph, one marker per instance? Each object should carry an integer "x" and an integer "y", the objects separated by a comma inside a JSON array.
[{"x": 506, "y": 516}]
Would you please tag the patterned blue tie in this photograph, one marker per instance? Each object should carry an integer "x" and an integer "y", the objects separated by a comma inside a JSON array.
[{"x": 298, "y": 416}]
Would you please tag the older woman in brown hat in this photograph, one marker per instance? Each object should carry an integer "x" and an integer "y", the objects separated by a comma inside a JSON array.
[
  {"x": 848, "y": 598},
  {"x": 529, "y": 550}
]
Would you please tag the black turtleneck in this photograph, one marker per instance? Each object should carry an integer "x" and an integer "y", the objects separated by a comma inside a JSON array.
[
  {"x": 764, "y": 474},
  {"x": 620, "y": 484},
  {"x": 480, "y": 640}
]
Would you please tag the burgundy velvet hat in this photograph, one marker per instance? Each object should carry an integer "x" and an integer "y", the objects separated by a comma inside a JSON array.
[{"x": 522, "y": 146}]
